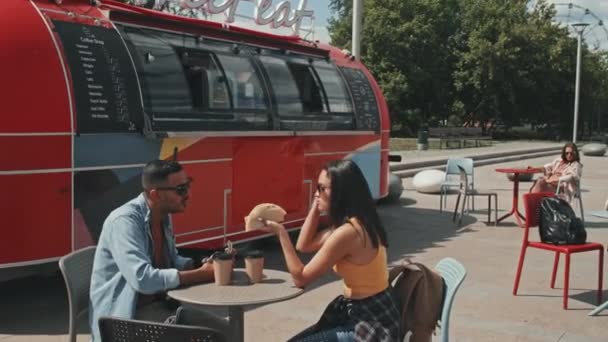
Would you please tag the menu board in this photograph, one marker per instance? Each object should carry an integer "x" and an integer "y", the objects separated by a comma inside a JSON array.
[
  {"x": 367, "y": 115},
  {"x": 104, "y": 81}
]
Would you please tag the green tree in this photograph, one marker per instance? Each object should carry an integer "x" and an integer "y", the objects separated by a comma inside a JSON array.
[
  {"x": 340, "y": 26},
  {"x": 407, "y": 45},
  {"x": 502, "y": 57}
]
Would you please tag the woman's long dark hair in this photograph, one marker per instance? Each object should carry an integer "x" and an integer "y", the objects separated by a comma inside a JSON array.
[
  {"x": 574, "y": 149},
  {"x": 350, "y": 197}
]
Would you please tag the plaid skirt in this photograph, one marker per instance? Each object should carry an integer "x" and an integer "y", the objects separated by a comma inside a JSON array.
[{"x": 375, "y": 318}]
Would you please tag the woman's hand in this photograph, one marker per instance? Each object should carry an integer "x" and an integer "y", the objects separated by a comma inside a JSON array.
[
  {"x": 314, "y": 207},
  {"x": 553, "y": 179},
  {"x": 271, "y": 226}
]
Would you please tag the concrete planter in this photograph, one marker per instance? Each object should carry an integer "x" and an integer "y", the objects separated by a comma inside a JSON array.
[
  {"x": 594, "y": 150},
  {"x": 428, "y": 181}
]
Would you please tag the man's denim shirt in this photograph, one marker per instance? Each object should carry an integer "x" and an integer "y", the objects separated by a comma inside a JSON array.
[{"x": 123, "y": 263}]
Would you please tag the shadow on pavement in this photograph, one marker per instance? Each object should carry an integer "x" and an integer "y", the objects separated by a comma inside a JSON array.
[
  {"x": 412, "y": 230},
  {"x": 590, "y": 297},
  {"x": 34, "y": 305}
]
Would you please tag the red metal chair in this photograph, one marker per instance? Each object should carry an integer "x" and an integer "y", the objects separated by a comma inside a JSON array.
[{"x": 532, "y": 208}]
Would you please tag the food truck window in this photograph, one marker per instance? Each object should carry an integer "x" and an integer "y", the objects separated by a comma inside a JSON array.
[
  {"x": 180, "y": 83},
  {"x": 189, "y": 84},
  {"x": 300, "y": 97},
  {"x": 337, "y": 96},
  {"x": 285, "y": 89},
  {"x": 309, "y": 87},
  {"x": 208, "y": 88},
  {"x": 244, "y": 83}
]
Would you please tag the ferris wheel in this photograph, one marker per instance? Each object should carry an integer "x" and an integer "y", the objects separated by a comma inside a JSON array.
[{"x": 595, "y": 35}]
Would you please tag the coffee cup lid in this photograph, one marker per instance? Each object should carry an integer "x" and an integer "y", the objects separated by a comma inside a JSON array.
[
  {"x": 222, "y": 256},
  {"x": 256, "y": 253}
]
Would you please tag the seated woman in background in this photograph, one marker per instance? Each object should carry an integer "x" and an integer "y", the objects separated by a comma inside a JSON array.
[
  {"x": 355, "y": 246},
  {"x": 566, "y": 169}
]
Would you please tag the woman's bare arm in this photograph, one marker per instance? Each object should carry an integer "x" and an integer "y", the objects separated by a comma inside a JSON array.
[
  {"x": 310, "y": 239},
  {"x": 336, "y": 247}
]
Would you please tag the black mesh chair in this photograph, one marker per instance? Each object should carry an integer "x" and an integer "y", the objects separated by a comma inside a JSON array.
[
  {"x": 115, "y": 329},
  {"x": 188, "y": 316}
]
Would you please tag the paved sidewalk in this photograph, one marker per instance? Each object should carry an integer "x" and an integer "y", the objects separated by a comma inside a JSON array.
[
  {"x": 497, "y": 147},
  {"x": 484, "y": 309}
]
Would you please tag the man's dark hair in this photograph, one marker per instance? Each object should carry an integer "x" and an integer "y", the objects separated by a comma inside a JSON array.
[
  {"x": 350, "y": 197},
  {"x": 156, "y": 172}
]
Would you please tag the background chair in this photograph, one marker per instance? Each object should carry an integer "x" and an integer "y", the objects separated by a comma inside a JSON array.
[
  {"x": 576, "y": 195},
  {"x": 453, "y": 273},
  {"x": 452, "y": 178},
  {"x": 76, "y": 269},
  {"x": 115, "y": 329},
  {"x": 465, "y": 191},
  {"x": 532, "y": 206}
]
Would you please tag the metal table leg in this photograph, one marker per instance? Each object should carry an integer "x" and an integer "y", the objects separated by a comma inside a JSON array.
[
  {"x": 515, "y": 204},
  {"x": 236, "y": 323}
]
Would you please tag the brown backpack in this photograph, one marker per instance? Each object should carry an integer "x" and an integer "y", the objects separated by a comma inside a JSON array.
[{"x": 419, "y": 292}]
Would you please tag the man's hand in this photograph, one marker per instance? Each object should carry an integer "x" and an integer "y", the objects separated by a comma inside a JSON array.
[
  {"x": 207, "y": 267},
  {"x": 202, "y": 274}
]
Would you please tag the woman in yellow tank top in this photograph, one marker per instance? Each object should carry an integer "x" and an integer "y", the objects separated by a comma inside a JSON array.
[{"x": 355, "y": 246}]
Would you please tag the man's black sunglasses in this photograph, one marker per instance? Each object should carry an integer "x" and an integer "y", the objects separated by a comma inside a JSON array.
[{"x": 181, "y": 189}]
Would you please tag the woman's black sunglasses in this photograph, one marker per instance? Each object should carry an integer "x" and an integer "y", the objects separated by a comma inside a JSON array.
[
  {"x": 321, "y": 188},
  {"x": 182, "y": 189}
]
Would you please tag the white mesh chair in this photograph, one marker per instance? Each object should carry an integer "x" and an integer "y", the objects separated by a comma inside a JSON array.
[
  {"x": 76, "y": 269},
  {"x": 452, "y": 178},
  {"x": 466, "y": 192},
  {"x": 453, "y": 274},
  {"x": 576, "y": 196}
]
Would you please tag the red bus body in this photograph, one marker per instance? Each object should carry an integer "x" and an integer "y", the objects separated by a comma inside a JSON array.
[{"x": 64, "y": 167}]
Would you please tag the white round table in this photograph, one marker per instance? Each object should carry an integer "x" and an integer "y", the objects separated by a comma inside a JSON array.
[{"x": 275, "y": 286}]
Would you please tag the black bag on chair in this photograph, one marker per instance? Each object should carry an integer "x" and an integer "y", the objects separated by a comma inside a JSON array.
[{"x": 559, "y": 224}]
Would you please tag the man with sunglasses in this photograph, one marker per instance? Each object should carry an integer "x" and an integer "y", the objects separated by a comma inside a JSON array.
[{"x": 136, "y": 260}]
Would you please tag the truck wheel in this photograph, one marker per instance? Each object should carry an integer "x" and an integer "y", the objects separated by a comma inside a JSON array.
[{"x": 395, "y": 189}]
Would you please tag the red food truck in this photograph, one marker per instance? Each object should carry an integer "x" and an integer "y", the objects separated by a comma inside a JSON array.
[{"x": 92, "y": 90}]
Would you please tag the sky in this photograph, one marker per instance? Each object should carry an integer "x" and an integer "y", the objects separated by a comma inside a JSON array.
[
  {"x": 322, "y": 14},
  {"x": 596, "y": 36}
]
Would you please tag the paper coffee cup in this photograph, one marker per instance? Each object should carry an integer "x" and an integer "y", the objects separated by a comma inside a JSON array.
[
  {"x": 254, "y": 266},
  {"x": 222, "y": 268}
]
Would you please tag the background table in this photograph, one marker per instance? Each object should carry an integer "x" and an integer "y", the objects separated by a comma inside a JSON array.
[
  {"x": 276, "y": 286},
  {"x": 516, "y": 172}
]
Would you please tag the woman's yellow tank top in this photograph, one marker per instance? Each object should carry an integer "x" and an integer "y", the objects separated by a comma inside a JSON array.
[{"x": 364, "y": 280}]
